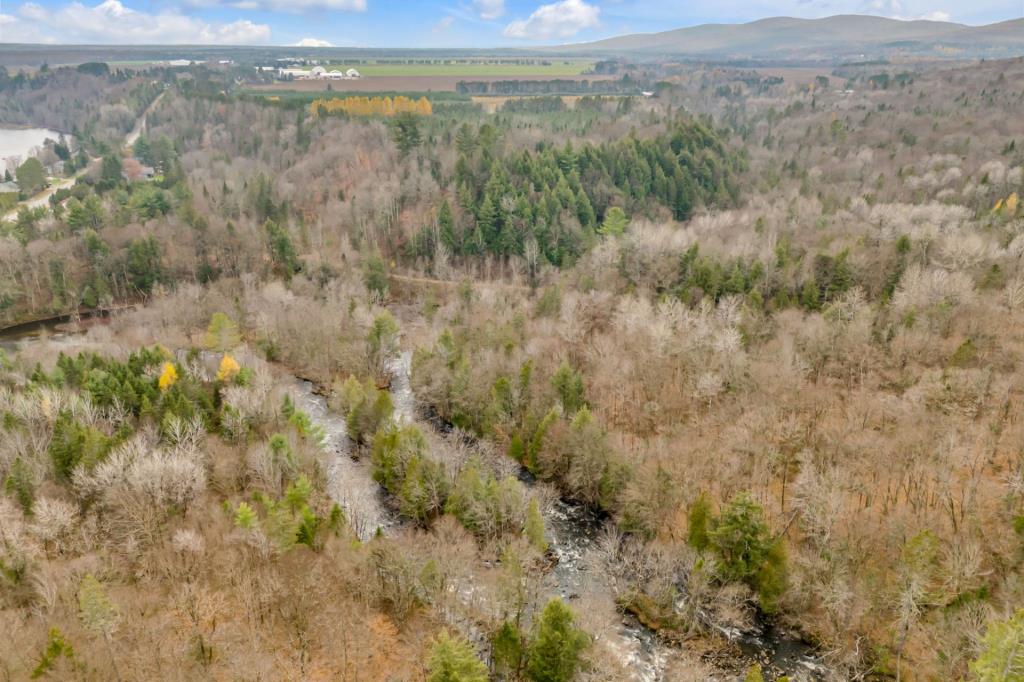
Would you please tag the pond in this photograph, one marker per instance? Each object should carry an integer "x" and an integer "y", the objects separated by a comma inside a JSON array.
[{"x": 19, "y": 142}]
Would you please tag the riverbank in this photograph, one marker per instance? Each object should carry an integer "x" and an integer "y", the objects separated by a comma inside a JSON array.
[{"x": 575, "y": 535}]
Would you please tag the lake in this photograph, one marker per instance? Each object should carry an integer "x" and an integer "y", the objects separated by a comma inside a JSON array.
[{"x": 20, "y": 141}]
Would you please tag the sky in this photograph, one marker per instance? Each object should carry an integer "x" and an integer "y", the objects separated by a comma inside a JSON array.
[{"x": 427, "y": 23}]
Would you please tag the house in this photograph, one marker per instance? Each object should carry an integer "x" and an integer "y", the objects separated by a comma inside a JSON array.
[{"x": 134, "y": 170}]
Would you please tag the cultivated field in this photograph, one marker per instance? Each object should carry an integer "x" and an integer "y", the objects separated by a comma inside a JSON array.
[
  {"x": 401, "y": 83},
  {"x": 472, "y": 69}
]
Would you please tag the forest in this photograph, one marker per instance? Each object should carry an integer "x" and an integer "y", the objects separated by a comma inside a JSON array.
[{"x": 716, "y": 384}]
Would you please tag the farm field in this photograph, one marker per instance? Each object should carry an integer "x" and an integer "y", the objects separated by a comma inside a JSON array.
[
  {"x": 400, "y": 83},
  {"x": 469, "y": 69}
]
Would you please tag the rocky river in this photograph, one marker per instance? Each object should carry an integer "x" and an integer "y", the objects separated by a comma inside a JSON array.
[{"x": 573, "y": 533}]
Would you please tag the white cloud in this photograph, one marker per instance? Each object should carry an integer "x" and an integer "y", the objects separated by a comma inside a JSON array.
[
  {"x": 313, "y": 42},
  {"x": 558, "y": 20},
  {"x": 894, "y": 9},
  {"x": 443, "y": 25},
  {"x": 6, "y": 19},
  {"x": 489, "y": 9},
  {"x": 292, "y": 6},
  {"x": 110, "y": 22}
]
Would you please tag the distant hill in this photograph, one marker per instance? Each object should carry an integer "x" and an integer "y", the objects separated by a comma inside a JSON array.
[{"x": 836, "y": 37}]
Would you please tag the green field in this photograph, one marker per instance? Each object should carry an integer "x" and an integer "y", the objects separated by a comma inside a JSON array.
[{"x": 470, "y": 69}]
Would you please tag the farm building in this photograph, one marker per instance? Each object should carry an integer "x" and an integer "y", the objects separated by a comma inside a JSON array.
[{"x": 318, "y": 73}]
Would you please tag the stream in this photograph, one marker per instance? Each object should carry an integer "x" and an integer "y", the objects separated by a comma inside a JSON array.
[{"x": 573, "y": 532}]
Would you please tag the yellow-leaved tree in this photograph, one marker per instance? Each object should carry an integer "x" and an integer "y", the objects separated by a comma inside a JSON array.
[
  {"x": 229, "y": 368},
  {"x": 168, "y": 376}
]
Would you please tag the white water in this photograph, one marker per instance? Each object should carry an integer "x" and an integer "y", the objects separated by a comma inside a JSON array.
[
  {"x": 571, "y": 530},
  {"x": 19, "y": 142},
  {"x": 349, "y": 481}
]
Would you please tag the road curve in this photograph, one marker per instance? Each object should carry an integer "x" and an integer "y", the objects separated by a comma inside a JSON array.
[{"x": 43, "y": 197}]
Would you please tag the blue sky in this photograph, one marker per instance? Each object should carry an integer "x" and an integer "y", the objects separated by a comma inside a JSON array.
[{"x": 426, "y": 23}]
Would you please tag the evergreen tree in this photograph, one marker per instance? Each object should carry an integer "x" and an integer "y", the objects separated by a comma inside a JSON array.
[
  {"x": 98, "y": 614},
  {"x": 746, "y": 550},
  {"x": 375, "y": 276},
  {"x": 406, "y": 132},
  {"x": 31, "y": 176},
  {"x": 585, "y": 210},
  {"x": 222, "y": 333},
  {"x": 143, "y": 264},
  {"x": 245, "y": 516},
  {"x": 446, "y": 228},
  {"x": 21, "y": 485},
  {"x": 533, "y": 528},
  {"x": 1002, "y": 654},
  {"x": 615, "y": 222},
  {"x": 507, "y": 650},
  {"x": 569, "y": 386},
  {"x": 282, "y": 251},
  {"x": 110, "y": 172},
  {"x": 452, "y": 659},
  {"x": 556, "y": 648},
  {"x": 697, "y": 530}
]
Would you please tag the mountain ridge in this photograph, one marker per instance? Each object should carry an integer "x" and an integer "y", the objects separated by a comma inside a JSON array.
[{"x": 838, "y": 35}]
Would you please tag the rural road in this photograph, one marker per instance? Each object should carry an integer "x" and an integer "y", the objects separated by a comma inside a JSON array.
[{"x": 43, "y": 197}]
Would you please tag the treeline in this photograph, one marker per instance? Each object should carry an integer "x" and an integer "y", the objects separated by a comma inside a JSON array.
[
  {"x": 623, "y": 86},
  {"x": 546, "y": 424},
  {"x": 371, "y": 106},
  {"x": 557, "y": 198},
  {"x": 97, "y": 269}
]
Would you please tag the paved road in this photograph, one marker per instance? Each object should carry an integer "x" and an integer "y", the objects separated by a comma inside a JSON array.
[{"x": 43, "y": 198}]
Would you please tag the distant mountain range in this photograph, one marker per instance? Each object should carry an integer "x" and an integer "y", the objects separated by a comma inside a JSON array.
[{"x": 841, "y": 37}]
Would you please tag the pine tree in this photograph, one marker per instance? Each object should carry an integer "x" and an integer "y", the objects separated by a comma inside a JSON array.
[
  {"x": 1002, "y": 654},
  {"x": 20, "y": 484},
  {"x": 697, "y": 530},
  {"x": 222, "y": 333},
  {"x": 615, "y": 222},
  {"x": 446, "y": 227},
  {"x": 507, "y": 650},
  {"x": 57, "y": 647},
  {"x": 569, "y": 386},
  {"x": 98, "y": 614},
  {"x": 557, "y": 645},
  {"x": 585, "y": 210},
  {"x": 245, "y": 516},
  {"x": 452, "y": 659},
  {"x": 534, "y": 527},
  {"x": 375, "y": 277},
  {"x": 406, "y": 132}
]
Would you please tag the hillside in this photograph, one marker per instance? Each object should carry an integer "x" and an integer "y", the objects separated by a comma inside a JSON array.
[{"x": 832, "y": 37}]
